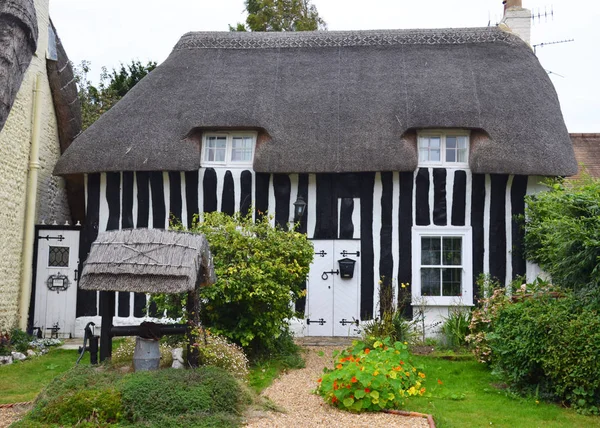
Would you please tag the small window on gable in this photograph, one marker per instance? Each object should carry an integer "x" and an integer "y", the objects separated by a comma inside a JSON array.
[
  {"x": 449, "y": 148},
  {"x": 228, "y": 149}
]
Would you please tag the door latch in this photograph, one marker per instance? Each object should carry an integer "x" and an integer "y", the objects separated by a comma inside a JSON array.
[
  {"x": 345, "y": 322},
  {"x": 321, "y": 253},
  {"x": 320, "y": 321},
  {"x": 326, "y": 274},
  {"x": 346, "y": 253}
]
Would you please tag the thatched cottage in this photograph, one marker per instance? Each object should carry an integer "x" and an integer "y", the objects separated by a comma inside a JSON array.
[
  {"x": 39, "y": 117},
  {"x": 413, "y": 150}
]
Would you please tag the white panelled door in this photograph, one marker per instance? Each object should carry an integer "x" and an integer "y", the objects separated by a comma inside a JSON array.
[
  {"x": 56, "y": 282},
  {"x": 333, "y": 302}
]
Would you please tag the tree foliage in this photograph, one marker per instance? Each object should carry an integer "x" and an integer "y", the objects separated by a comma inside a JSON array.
[
  {"x": 260, "y": 270},
  {"x": 562, "y": 232},
  {"x": 97, "y": 100},
  {"x": 281, "y": 15}
]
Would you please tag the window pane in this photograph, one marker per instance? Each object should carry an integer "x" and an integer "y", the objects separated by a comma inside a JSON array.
[
  {"x": 424, "y": 143},
  {"x": 423, "y": 155},
  {"x": 430, "y": 250},
  {"x": 451, "y": 282},
  {"x": 462, "y": 155},
  {"x": 434, "y": 142},
  {"x": 434, "y": 155},
  {"x": 450, "y": 155},
  {"x": 451, "y": 142},
  {"x": 215, "y": 149},
  {"x": 462, "y": 142},
  {"x": 241, "y": 150},
  {"x": 452, "y": 254},
  {"x": 430, "y": 281}
]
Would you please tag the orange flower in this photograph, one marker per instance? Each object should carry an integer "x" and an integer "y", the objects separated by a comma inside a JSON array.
[
  {"x": 319, "y": 380},
  {"x": 335, "y": 385},
  {"x": 401, "y": 363},
  {"x": 334, "y": 399},
  {"x": 339, "y": 366},
  {"x": 367, "y": 390},
  {"x": 440, "y": 382},
  {"x": 422, "y": 375},
  {"x": 353, "y": 380},
  {"x": 367, "y": 351}
]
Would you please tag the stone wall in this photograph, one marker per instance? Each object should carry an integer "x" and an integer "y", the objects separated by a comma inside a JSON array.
[{"x": 15, "y": 141}]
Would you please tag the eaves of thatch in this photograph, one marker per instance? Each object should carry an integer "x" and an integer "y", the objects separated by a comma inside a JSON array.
[
  {"x": 336, "y": 102},
  {"x": 18, "y": 42},
  {"x": 148, "y": 261}
]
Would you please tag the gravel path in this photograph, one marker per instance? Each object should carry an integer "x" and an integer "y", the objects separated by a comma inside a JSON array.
[
  {"x": 292, "y": 393},
  {"x": 8, "y": 415}
]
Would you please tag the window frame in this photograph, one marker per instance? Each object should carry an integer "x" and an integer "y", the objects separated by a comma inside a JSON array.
[
  {"x": 228, "y": 148},
  {"x": 466, "y": 297},
  {"x": 442, "y": 134}
]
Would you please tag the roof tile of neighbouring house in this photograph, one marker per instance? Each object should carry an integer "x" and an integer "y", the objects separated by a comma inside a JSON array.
[
  {"x": 336, "y": 102},
  {"x": 587, "y": 153}
]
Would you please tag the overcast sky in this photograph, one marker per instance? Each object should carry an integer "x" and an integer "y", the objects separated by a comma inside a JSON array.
[{"x": 110, "y": 32}]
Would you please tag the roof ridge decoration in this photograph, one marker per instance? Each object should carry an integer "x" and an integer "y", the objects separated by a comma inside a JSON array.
[{"x": 316, "y": 39}]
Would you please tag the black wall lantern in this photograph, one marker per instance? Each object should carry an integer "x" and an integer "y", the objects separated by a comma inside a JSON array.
[
  {"x": 346, "y": 268},
  {"x": 299, "y": 209}
]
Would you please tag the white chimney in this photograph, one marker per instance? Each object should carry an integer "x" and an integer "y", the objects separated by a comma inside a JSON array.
[{"x": 517, "y": 19}]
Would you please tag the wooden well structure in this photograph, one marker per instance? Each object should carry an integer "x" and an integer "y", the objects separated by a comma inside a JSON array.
[{"x": 146, "y": 261}]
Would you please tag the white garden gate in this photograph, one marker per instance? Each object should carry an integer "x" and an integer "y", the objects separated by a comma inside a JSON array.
[
  {"x": 333, "y": 301},
  {"x": 56, "y": 281}
]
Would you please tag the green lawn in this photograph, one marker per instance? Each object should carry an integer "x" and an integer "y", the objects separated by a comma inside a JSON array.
[
  {"x": 22, "y": 381},
  {"x": 467, "y": 398}
]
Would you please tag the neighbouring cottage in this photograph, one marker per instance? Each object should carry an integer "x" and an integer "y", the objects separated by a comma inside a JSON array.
[
  {"x": 413, "y": 150},
  {"x": 39, "y": 116},
  {"x": 587, "y": 153}
]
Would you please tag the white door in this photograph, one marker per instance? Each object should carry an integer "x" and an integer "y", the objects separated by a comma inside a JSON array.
[
  {"x": 56, "y": 282},
  {"x": 332, "y": 301}
]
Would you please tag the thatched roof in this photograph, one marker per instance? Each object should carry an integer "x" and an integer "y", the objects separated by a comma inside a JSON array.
[
  {"x": 336, "y": 102},
  {"x": 587, "y": 153},
  {"x": 148, "y": 261},
  {"x": 18, "y": 42},
  {"x": 61, "y": 79}
]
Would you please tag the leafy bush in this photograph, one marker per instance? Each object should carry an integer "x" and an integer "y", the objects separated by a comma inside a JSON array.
[
  {"x": 562, "y": 232},
  {"x": 550, "y": 345},
  {"x": 456, "y": 326},
  {"x": 215, "y": 350},
  {"x": 483, "y": 316},
  {"x": 98, "y": 396},
  {"x": 123, "y": 355},
  {"x": 371, "y": 379},
  {"x": 260, "y": 269},
  {"x": 19, "y": 340},
  {"x": 149, "y": 396},
  {"x": 82, "y": 395}
]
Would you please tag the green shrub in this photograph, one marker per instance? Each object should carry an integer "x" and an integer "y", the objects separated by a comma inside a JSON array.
[
  {"x": 260, "y": 270},
  {"x": 371, "y": 379},
  {"x": 392, "y": 325},
  {"x": 562, "y": 232},
  {"x": 550, "y": 345},
  {"x": 148, "y": 396},
  {"x": 456, "y": 326},
  {"x": 19, "y": 340},
  {"x": 100, "y": 396},
  {"x": 215, "y": 350},
  {"x": 82, "y": 394}
]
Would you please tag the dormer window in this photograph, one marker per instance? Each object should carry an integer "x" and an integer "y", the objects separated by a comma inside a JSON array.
[
  {"x": 444, "y": 148},
  {"x": 228, "y": 148}
]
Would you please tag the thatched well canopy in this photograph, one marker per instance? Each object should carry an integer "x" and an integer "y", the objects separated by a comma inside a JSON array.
[
  {"x": 335, "y": 101},
  {"x": 148, "y": 261}
]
